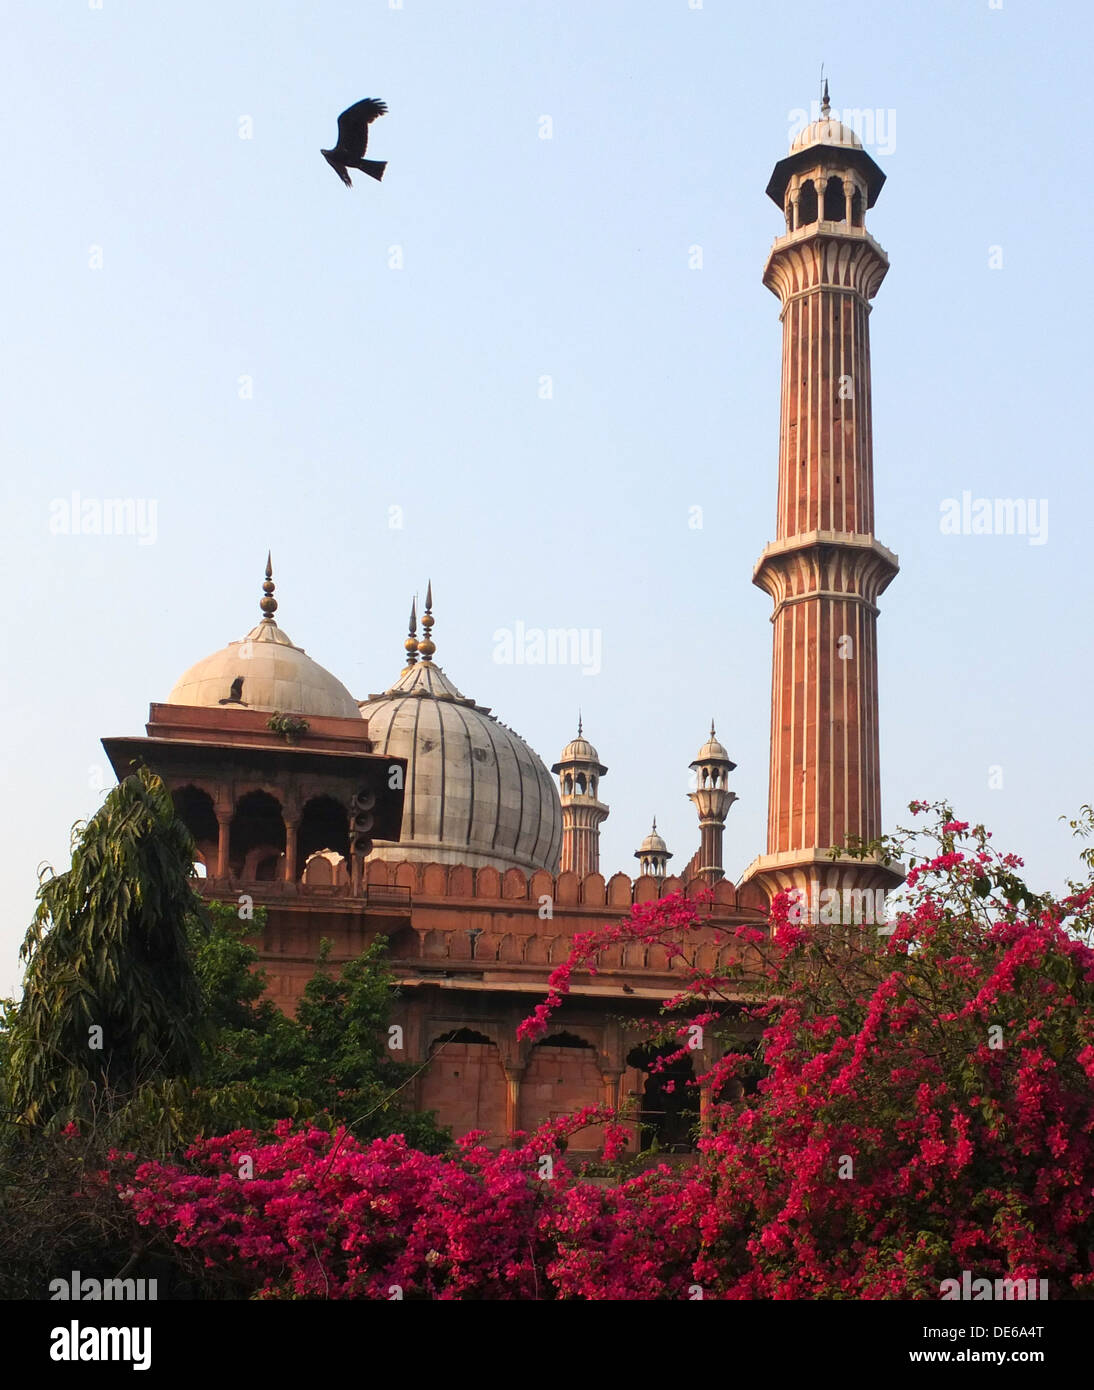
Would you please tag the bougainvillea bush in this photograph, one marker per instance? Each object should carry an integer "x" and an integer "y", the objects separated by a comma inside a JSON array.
[{"x": 926, "y": 1107}]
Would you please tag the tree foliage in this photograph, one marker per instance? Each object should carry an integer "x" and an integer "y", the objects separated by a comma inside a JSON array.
[
  {"x": 329, "y": 1065},
  {"x": 927, "y": 1108},
  {"x": 110, "y": 997}
]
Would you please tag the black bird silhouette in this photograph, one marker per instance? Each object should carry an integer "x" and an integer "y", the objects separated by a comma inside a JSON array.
[
  {"x": 235, "y": 695},
  {"x": 353, "y": 126}
]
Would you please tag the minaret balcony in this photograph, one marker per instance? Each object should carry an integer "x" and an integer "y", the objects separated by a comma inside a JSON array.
[
  {"x": 825, "y": 564},
  {"x": 825, "y": 256}
]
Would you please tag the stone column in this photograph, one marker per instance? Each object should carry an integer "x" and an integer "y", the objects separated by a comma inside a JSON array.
[
  {"x": 512, "y": 1097},
  {"x": 224, "y": 828},
  {"x": 290, "y": 850},
  {"x": 612, "y": 1080}
]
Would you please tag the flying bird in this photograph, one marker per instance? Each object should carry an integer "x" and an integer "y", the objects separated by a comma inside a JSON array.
[{"x": 353, "y": 126}]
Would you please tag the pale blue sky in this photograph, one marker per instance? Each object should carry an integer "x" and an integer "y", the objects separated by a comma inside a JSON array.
[{"x": 417, "y": 388}]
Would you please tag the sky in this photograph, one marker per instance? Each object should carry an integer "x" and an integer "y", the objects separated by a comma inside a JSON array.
[{"x": 537, "y": 365}]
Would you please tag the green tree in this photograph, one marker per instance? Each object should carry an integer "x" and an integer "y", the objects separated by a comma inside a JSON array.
[
  {"x": 330, "y": 1064},
  {"x": 111, "y": 1002}
]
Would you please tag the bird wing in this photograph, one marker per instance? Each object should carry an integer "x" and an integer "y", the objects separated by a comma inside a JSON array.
[{"x": 354, "y": 122}]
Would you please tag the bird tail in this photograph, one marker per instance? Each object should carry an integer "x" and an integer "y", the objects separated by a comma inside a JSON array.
[{"x": 374, "y": 168}]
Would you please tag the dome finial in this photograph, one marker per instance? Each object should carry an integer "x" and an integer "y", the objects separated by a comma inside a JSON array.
[
  {"x": 579, "y": 723},
  {"x": 268, "y": 603},
  {"x": 712, "y": 734},
  {"x": 411, "y": 643},
  {"x": 655, "y": 825},
  {"x": 426, "y": 646},
  {"x": 826, "y": 105}
]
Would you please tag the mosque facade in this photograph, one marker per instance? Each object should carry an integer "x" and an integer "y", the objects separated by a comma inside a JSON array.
[{"x": 415, "y": 814}]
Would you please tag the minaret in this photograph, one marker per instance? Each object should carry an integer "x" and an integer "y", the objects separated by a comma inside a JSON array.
[
  {"x": 579, "y": 771},
  {"x": 712, "y": 799},
  {"x": 825, "y": 569},
  {"x": 653, "y": 854}
]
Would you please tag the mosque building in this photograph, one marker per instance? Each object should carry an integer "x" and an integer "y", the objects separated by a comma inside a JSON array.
[{"x": 417, "y": 815}]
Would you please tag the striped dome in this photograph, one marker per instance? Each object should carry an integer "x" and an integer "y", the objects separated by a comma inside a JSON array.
[{"x": 476, "y": 793}]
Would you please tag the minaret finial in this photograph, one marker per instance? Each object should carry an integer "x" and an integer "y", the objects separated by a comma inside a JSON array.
[
  {"x": 655, "y": 823},
  {"x": 712, "y": 728},
  {"x": 826, "y": 105},
  {"x": 411, "y": 643},
  {"x": 268, "y": 603},
  {"x": 579, "y": 723},
  {"x": 426, "y": 646}
]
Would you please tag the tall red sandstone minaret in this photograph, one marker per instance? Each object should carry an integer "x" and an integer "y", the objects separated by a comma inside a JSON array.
[{"x": 825, "y": 569}]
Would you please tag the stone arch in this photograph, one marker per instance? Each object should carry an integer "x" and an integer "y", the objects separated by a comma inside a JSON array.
[
  {"x": 593, "y": 890},
  {"x": 567, "y": 889},
  {"x": 510, "y": 948},
  {"x": 706, "y": 957},
  {"x": 835, "y": 200},
  {"x": 619, "y": 890},
  {"x": 435, "y": 881},
  {"x": 405, "y": 943},
  {"x": 406, "y": 875},
  {"x": 486, "y": 945},
  {"x": 668, "y": 1117},
  {"x": 807, "y": 204},
  {"x": 647, "y": 889},
  {"x": 541, "y": 885},
  {"x": 465, "y": 1082},
  {"x": 435, "y": 945},
  {"x": 318, "y": 871},
  {"x": 461, "y": 881},
  {"x": 657, "y": 957},
  {"x": 856, "y": 208},
  {"x": 514, "y": 885},
  {"x": 378, "y": 872},
  {"x": 487, "y": 882},
  {"x": 634, "y": 955},
  {"x": 256, "y": 835},
  {"x": 458, "y": 941},
  {"x": 538, "y": 950},
  {"x": 563, "y": 1075},
  {"x": 195, "y": 807},
  {"x": 324, "y": 825},
  {"x": 752, "y": 895}
]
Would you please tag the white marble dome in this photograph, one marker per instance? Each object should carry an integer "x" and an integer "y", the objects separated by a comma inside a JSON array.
[
  {"x": 825, "y": 132},
  {"x": 476, "y": 793},
  {"x": 652, "y": 844},
  {"x": 276, "y": 676}
]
